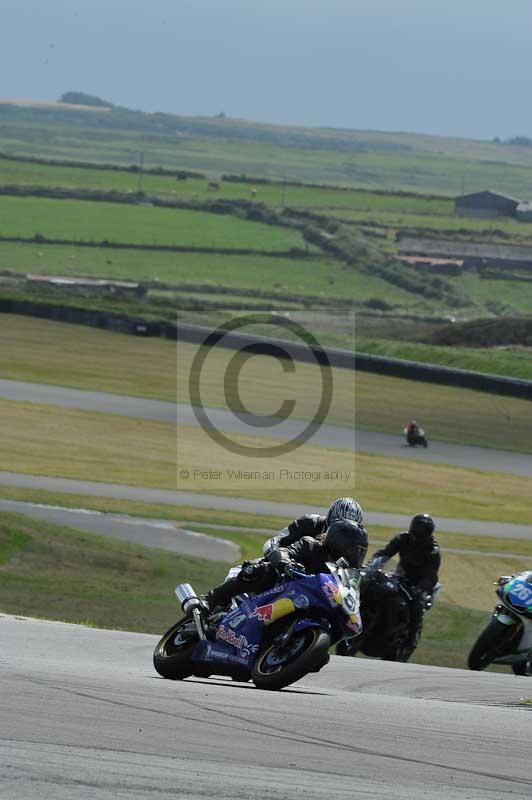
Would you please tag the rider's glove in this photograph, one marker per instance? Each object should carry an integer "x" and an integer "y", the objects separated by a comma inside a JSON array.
[
  {"x": 375, "y": 563},
  {"x": 292, "y": 568},
  {"x": 424, "y": 599},
  {"x": 282, "y": 563},
  {"x": 251, "y": 570},
  {"x": 280, "y": 560}
]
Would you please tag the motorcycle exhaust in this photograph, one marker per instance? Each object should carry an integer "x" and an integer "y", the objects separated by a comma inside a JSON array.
[
  {"x": 190, "y": 604},
  {"x": 187, "y": 597}
]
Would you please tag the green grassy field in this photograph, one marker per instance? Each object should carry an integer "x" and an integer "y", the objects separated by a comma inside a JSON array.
[
  {"x": 80, "y": 220},
  {"x": 466, "y": 296},
  {"x": 363, "y": 158},
  {"x": 22, "y": 173},
  {"x": 315, "y": 276},
  {"x": 497, "y": 361},
  {"x": 388, "y": 209},
  {"x": 499, "y": 229}
]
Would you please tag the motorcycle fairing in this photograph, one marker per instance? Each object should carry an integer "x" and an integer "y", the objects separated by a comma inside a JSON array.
[
  {"x": 517, "y": 594},
  {"x": 240, "y": 632}
]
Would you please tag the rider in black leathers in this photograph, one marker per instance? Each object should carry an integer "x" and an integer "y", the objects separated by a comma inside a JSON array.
[
  {"x": 316, "y": 524},
  {"x": 419, "y": 563},
  {"x": 343, "y": 539}
]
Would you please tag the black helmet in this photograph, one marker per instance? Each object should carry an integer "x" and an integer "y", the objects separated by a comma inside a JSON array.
[
  {"x": 346, "y": 538},
  {"x": 344, "y": 508},
  {"x": 422, "y": 527}
]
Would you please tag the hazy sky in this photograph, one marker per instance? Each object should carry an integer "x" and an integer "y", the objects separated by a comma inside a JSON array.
[{"x": 451, "y": 67}]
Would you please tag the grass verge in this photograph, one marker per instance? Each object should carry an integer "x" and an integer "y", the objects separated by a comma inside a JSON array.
[
  {"x": 59, "y": 573},
  {"x": 493, "y": 361},
  {"x": 44, "y": 440},
  {"x": 86, "y": 358}
]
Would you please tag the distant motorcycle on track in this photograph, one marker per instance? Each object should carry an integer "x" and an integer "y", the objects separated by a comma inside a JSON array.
[
  {"x": 507, "y": 639},
  {"x": 415, "y": 438},
  {"x": 273, "y": 638}
]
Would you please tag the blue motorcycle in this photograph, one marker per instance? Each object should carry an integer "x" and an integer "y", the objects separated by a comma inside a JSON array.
[
  {"x": 273, "y": 638},
  {"x": 507, "y": 639}
]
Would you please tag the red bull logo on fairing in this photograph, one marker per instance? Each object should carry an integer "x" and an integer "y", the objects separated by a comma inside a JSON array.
[
  {"x": 231, "y": 638},
  {"x": 264, "y": 613},
  {"x": 272, "y": 611}
]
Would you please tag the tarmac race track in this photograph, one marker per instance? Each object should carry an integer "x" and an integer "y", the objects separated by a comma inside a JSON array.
[
  {"x": 84, "y": 715},
  {"x": 326, "y": 436}
]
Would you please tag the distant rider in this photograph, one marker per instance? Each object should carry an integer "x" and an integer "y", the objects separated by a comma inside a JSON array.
[
  {"x": 419, "y": 563},
  {"x": 412, "y": 432},
  {"x": 412, "y": 429}
]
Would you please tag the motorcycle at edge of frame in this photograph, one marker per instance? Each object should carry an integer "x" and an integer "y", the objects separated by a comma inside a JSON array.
[
  {"x": 274, "y": 638},
  {"x": 507, "y": 639}
]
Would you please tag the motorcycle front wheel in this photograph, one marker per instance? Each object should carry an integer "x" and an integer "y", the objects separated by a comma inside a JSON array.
[
  {"x": 171, "y": 657},
  {"x": 278, "y": 665},
  {"x": 488, "y": 644}
]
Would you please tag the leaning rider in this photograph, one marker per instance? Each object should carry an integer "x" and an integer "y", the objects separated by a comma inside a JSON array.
[
  {"x": 315, "y": 525},
  {"x": 419, "y": 563},
  {"x": 344, "y": 538}
]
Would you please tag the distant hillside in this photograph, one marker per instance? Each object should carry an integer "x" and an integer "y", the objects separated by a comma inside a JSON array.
[{"x": 215, "y": 145}]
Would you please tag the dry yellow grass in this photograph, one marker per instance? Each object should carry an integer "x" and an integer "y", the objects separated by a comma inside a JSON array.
[
  {"x": 44, "y": 440},
  {"x": 86, "y": 358},
  {"x": 467, "y": 580},
  {"x": 76, "y": 444}
]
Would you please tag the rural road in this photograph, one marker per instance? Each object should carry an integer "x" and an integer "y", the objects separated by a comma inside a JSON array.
[
  {"x": 327, "y": 435},
  {"x": 84, "y": 715}
]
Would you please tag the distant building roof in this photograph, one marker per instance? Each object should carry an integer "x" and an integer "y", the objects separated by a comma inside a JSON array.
[{"x": 487, "y": 194}]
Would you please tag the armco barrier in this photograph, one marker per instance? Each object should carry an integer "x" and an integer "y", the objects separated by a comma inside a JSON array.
[{"x": 344, "y": 359}]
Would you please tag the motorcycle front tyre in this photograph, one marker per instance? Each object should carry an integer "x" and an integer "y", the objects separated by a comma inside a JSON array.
[
  {"x": 173, "y": 661},
  {"x": 485, "y": 648},
  {"x": 277, "y": 667}
]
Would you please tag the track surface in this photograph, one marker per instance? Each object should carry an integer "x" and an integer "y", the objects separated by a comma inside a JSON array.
[
  {"x": 85, "y": 716},
  {"x": 149, "y": 532},
  {"x": 327, "y": 436},
  {"x": 286, "y": 510}
]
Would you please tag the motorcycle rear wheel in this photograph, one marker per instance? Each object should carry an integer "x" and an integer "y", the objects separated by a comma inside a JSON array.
[
  {"x": 171, "y": 660},
  {"x": 487, "y": 645},
  {"x": 277, "y": 667}
]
